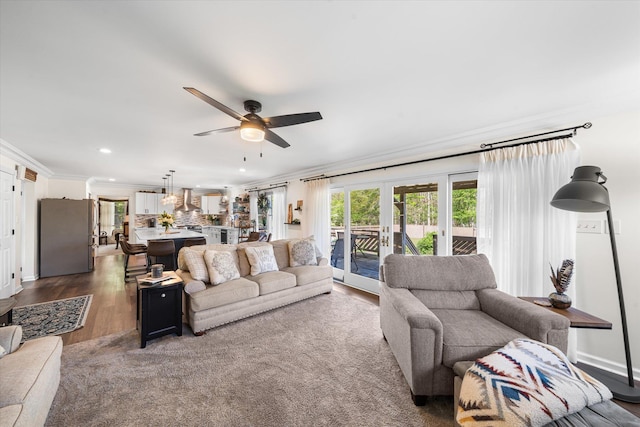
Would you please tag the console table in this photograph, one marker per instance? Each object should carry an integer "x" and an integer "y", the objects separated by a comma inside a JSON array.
[{"x": 578, "y": 318}]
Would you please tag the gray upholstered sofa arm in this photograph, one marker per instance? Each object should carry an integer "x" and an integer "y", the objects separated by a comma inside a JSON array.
[
  {"x": 534, "y": 321},
  {"x": 412, "y": 309},
  {"x": 10, "y": 337}
]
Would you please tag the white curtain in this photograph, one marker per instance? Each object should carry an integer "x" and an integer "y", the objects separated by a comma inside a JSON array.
[
  {"x": 518, "y": 230},
  {"x": 107, "y": 216},
  {"x": 318, "y": 212},
  {"x": 253, "y": 208},
  {"x": 278, "y": 213}
]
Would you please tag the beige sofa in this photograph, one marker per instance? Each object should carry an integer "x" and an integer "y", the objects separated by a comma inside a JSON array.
[
  {"x": 29, "y": 377},
  {"x": 207, "y": 306}
]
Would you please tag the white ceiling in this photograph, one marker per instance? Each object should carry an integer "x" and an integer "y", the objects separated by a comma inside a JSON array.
[{"x": 391, "y": 79}]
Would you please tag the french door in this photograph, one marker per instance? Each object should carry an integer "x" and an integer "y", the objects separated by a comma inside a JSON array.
[{"x": 419, "y": 216}]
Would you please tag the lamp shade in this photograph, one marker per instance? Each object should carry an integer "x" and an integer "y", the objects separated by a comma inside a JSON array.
[{"x": 584, "y": 193}]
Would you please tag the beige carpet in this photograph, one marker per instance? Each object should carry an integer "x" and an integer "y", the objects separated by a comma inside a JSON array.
[{"x": 320, "y": 362}]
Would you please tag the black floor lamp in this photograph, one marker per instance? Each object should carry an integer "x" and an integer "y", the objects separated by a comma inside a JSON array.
[{"x": 586, "y": 193}]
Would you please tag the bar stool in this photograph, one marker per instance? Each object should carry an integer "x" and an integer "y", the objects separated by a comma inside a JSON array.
[
  {"x": 161, "y": 249},
  {"x": 194, "y": 241},
  {"x": 132, "y": 249}
]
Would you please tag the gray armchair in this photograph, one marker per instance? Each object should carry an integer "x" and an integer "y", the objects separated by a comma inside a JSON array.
[{"x": 438, "y": 310}]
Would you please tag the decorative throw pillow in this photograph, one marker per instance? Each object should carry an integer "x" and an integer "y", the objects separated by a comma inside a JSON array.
[
  {"x": 261, "y": 259},
  {"x": 221, "y": 266},
  {"x": 302, "y": 252},
  {"x": 195, "y": 263},
  {"x": 2, "y": 351}
]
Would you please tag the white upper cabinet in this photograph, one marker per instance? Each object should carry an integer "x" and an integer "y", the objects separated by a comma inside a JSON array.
[{"x": 151, "y": 204}]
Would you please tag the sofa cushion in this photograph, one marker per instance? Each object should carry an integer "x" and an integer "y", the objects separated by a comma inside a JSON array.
[
  {"x": 225, "y": 293},
  {"x": 471, "y": 334},
  {"x": 221, "y": 266},
  {"x": 261, "y": 259},
  {"x": 244, "y": 267},
  {"x": 302, "y": 252},
  {"x": 281, "y": 252},
  {"x": 10, "y": 337},
  {"x": 310, "y": 274},
  {"x": 28, "y": 368},
  {"x": 273, "y": 281},
  {"x": 457, "y": 300},
  {"x": 196, "y": 264},
  {"x": 444, "y": 273}
]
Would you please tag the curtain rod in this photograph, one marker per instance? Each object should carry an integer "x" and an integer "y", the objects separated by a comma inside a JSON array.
[
  {"x": 466, "y": 153},
  {"x": 574, "y": 129},
  {"x": 270, "y": 187}
]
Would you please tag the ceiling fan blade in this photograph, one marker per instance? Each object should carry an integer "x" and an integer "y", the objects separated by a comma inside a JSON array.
[
  {"x": 215, "y": 103},
  {"x": 209, "y": 132},
  {"x": 291, "y": 119},
  {"x": 272, "y": 137}
]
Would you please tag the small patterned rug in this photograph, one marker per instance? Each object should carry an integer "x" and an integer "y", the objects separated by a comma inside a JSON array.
[{"x": 53, "y": 317}]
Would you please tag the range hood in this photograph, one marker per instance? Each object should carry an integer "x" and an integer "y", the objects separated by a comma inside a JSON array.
[{"x": 187, "y": 206}]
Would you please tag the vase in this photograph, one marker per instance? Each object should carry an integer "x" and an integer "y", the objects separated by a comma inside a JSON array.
[
  {"x": 166, "y": 229},
  {"x": 559, "y": 300}
]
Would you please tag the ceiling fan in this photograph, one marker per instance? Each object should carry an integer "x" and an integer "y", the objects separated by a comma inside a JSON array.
[{"x": 253, "y": 127}]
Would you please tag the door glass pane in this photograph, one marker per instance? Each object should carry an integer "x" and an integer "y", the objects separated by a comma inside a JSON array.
[
  {"x": 365, "y": 233},
  {"x": 337, "y": 227},
  {"x": 463, "y": 217},
  {"x": 415, "y": 219}
]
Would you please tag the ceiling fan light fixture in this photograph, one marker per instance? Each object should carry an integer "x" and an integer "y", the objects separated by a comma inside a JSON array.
[{"x": 252, "y": 132}]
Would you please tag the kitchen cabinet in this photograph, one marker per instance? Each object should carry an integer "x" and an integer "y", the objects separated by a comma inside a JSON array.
[
  {"x": 151, "y": 204},
  {"x": 146, "y": 203},
  {"x": 212, "y": 235}
]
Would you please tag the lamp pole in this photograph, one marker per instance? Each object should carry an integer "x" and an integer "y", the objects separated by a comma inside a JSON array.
[
  {"x": 586, "y": 193},
  {"x": 616, "y": 267}
]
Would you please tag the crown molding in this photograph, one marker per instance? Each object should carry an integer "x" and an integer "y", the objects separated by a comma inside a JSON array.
[{"x": 22, "y": 158}]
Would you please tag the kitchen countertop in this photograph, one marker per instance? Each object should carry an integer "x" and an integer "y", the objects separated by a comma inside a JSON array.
[{"x": 158, "y": 233}]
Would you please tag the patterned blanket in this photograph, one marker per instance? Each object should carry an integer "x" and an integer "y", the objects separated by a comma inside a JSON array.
[{"x": 525, "y": 383}]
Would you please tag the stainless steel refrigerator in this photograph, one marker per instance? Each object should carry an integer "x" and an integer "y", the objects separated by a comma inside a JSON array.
[{"x": 67, "y": 240}]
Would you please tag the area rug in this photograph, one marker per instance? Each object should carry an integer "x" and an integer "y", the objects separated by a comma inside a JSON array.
[
  {"x": 318, "y": 362},
  {"x": 53, "y": 317}
]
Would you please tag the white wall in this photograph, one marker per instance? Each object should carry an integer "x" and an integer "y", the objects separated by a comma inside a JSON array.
[
  {"x": 613, "y": 144},
  {"x": 71, "y": 189}
]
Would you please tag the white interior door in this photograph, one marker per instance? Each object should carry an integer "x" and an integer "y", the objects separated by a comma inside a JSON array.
[{"x": 7, "y": 282}]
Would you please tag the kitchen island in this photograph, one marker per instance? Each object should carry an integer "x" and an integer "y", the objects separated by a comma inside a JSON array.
[
  {"x": 143, "y": 235},
  {"x": 178, "y": 236}
]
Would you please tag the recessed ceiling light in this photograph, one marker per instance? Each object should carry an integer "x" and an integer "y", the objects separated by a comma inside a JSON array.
[
  {"x": 242, "y": 170},
  {"x": 105, "y": 151},
  {"x": 198, "y": 186},
  {"x": 112, "y": 179}
]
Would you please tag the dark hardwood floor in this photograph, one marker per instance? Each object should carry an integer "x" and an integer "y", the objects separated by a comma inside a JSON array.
[{"x": 113, "y": 308}]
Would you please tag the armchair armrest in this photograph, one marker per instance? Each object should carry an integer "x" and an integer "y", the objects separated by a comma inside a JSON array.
[
  {"x": 10, "y": 337},
  {"x": 322, "y": 261},
  {"x": 534, "y": 321},
  {"x": 412, "y": 309},
  {"x": 415, "y": 336}
]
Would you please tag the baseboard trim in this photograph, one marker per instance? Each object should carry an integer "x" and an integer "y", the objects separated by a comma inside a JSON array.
[{"x": 606, "y": 365}]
